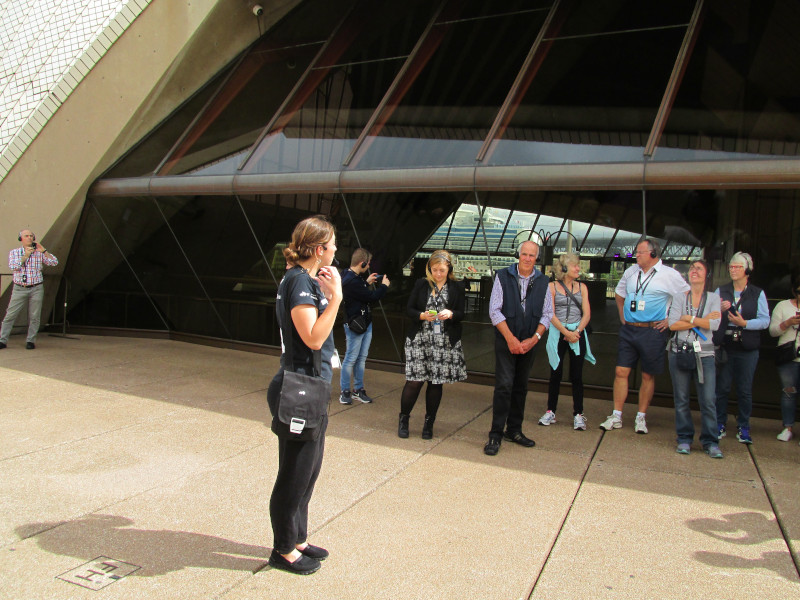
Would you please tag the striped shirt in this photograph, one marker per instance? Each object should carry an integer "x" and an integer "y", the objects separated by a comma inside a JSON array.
[{"x": 30, "y": 273}]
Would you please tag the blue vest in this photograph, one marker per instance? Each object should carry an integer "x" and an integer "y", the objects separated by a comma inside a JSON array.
[{"x": 522, "y": 324}]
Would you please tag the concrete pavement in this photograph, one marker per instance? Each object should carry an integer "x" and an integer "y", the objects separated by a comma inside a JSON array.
[{"x": 134, "y": 468}]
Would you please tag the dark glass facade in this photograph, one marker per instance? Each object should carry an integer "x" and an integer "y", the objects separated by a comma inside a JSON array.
[{"x": 582, "y": 122}]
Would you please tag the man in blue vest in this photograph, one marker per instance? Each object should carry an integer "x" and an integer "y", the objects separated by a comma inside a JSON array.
[
  {"x": 643, "y": 297},
  {"x": 520, "y": 309}
]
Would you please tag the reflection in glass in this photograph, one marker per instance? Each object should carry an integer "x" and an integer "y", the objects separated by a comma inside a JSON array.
[{"x": 454, "y": 86}]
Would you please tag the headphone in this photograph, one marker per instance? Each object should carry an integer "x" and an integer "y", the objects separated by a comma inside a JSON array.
[
  {"x": 655, "y": 249},
  {"x": 746, "y": 259},
  {"x": 443, "y": 255},
  {"x": 364, "y": 265},
  {"x": 538, "y": 250},
  {"x": 19, "y": 236}
]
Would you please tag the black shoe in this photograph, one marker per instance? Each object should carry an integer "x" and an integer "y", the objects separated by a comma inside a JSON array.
[
  {"x": 305, "y": 565},
  {"x": 519, "y": 438},
  {"x": 427, "y": 428},
  {"x": 30, "y": 346},
  {"x": 344, "y": 397},
  {"x": 362, "y": 395},
  {"x": 402, "y": 427},
  {"x": 315, "y": 552},
  {"x": 2, "y": 345},
  {"x": 492, "y": 447}
]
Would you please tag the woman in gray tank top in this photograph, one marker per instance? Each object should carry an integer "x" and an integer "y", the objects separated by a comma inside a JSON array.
[{"x": 568, "y": 332}]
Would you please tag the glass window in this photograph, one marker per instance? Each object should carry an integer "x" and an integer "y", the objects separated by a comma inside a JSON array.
[
  {"x": 601, "y": 80},
  {"x": 738, "y": 97},
  {"x": 323, "y": 120},
  {"x": 454, "y": 86}
]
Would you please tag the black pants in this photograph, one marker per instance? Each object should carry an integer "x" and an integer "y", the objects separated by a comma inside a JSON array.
[
  {"x": 511, "y": 373},
  {"x": 575, "y": 376},
  {"x": 299, "y": 464}
]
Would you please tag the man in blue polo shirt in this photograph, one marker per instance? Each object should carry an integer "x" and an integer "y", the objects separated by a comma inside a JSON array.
[{"x": 643, "y": 297}]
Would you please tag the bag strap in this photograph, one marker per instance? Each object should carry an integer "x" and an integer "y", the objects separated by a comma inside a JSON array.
[
  {"x": 284, "y": 319},
  {"x": 572, "y": 296}
]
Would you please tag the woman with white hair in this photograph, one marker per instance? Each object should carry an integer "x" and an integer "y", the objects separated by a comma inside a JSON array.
[
  {"x": 745, "y": 314},
  {"x": 568, "y": 336}
]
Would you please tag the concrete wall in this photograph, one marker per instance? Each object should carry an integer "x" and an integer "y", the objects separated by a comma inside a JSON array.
[{"x": 167, "y": 54}]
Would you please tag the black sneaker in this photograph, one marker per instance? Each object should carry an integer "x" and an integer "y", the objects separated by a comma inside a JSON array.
[
  {"x": 362, "y": 395},
  {"x": 30, "y": 346},
  {"x": 492, "y": 447},
  {"x": 344, "y": 397},
  {"x": 305, "y": 565},
  {"x": 2, "y": 345}
]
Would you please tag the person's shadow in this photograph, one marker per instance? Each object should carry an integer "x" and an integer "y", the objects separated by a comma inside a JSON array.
[
  {"x": 157, "y": 551},
  {"x": 744, "y": 529}
]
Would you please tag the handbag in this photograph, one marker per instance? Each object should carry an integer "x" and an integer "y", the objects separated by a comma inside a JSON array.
[
  {"x": 786, "y": 353},
  {"x": 359, "y": 323},
  {"x": 588, "y": 328},
  {"x": 303, "y": 399}
]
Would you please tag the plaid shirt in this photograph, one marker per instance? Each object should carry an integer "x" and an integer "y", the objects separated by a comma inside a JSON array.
[{"x": 31, "y": 272}]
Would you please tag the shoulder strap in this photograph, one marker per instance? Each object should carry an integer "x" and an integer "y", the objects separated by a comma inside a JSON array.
[
  {"x": 572, "y": 296},
  {"x": 284, "y": 321}
]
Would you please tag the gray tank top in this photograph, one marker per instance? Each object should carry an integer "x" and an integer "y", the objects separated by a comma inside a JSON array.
[{"x": 565, "y": 306}]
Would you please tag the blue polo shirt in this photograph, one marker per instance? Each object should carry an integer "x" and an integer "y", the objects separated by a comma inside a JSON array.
[{"x": 655, "y": 288}]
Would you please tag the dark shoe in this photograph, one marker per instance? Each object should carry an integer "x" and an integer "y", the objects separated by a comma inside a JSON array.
[
  {"x": 402, "y": 427},
  {"x": 492, "y": 447},
  {"x": 519, "y": 438},
  {"x": 362, "y": 395},
  {"x": 305, "y": 565},
  {"x": 315, "y": 552},
  {"x": 427, "y": 428},
  {"x": 2, "y": 345},
  {"x": 344, "y": 397},
  {"x": 30, "y": 346}
]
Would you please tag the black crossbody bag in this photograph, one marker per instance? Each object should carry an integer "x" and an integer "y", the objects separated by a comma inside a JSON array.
[{"x": 304, "y": 399}]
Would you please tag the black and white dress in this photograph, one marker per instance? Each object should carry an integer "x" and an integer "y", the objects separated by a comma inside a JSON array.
[{"x": 430, "y": 356}]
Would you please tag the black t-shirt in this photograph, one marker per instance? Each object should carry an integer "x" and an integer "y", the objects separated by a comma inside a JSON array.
[{"x": 300, "y": 289}]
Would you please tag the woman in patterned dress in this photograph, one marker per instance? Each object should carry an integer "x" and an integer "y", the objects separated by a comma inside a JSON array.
[{"x": 433, "y": 342}]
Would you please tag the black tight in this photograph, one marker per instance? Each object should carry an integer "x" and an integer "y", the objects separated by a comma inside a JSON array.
[{"x": 433, "y": 397}]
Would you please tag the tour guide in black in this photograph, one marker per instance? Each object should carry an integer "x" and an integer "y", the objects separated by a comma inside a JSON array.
[{"x": 520, "y": 309}]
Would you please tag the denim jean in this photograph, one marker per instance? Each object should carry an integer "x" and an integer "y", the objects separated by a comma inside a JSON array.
[
  {"x": 740, "y": 369},
  {"x": 355, "y": 358},
  {"x": 790, "y": 379},
  {"x": 510, "y": 388},
  {"x": 20, "y": 296},
  {"x": 681, "y": 382}
]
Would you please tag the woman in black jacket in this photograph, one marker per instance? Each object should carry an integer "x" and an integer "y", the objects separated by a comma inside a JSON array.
[{"x": 433, "y": 342}]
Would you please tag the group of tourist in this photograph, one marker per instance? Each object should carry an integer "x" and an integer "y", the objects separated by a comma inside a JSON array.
[{"x": 711, "y": 337}]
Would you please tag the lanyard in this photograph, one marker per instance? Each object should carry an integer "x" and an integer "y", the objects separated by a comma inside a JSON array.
[
  {"x": 741, "y": 297},
  {"x": 690, "y": 309},
  {"x": 643, "y": 286}
]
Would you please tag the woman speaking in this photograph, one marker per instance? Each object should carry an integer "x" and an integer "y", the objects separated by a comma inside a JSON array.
[{"x": 311, "y": 292}]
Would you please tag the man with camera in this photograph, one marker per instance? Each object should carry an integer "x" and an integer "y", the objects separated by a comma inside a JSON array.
[
  {"x": 358, "y": 323},
  {"x": 643, "y": 298},
  {"x": 26, "y": 263}
]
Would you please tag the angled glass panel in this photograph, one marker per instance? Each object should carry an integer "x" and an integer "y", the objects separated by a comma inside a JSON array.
[
  {"x": 738, "y": 97},
  {"x": 321, "y": 123},
  {"x": 234, "y": 119},
  {"x": 453, "y": 89},
  {"x": 601, "y": 80}
]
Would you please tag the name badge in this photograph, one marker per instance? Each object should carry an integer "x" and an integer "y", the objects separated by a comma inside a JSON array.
[
  {"x": 696, "y": 345},
  {"x": 335, "y": 362},
  {"x": 641, "y": 304},
  {"x": 437, "y": 327}
]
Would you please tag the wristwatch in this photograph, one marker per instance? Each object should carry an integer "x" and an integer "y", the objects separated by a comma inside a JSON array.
[{"x": 538, "y": 336}]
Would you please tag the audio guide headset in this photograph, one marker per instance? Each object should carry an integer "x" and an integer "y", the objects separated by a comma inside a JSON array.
[
  {"x": 19, "y": 236},
  {"x": 745, "y": 259}
]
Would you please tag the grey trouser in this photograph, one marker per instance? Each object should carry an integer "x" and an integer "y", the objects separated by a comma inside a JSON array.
[{"x": 21, "y": 296}]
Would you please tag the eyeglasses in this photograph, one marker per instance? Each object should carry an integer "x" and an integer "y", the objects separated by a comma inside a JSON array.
[
  {"x": 735, "y": 267},
  {"x": 695, "y": 269}
]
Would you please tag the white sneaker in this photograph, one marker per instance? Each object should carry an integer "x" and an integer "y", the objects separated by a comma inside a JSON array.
[
  {"x": 612, "y": 422},
  {"x": 785, "y": 435},
  {"x": 641, "y": 425},
  {"x": 548, "y": 418},
  {"x": 579, "y": 422}
]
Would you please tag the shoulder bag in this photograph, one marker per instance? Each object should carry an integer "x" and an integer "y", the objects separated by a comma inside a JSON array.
[
  {"x": 786, "y": 353},
  {"x": 685, "y": 358},
  {"x": 303, "y": 400},
  {"x": 358, "y": 324}
]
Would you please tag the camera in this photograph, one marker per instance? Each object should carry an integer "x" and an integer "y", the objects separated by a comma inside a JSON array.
[
  {"x": 258, "y": 10},
  {"x": 737, "y": 335}
]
